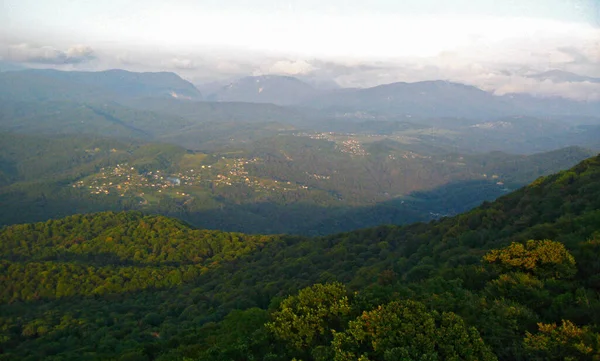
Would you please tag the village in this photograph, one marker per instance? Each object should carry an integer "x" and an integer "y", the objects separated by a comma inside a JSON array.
[
  {"x": 125, "y": 180},
  {"x": 345, "y": 143}
]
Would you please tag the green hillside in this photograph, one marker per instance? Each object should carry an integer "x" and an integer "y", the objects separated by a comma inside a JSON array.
[
  {"x": 91, "y": 119},
  {"x": 206, "y": 126},
  {"x": 516, "y": 279}
]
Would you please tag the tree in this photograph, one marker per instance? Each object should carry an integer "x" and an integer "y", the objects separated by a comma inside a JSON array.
[
  {"x": 240, "y": 336},
  {"x": 405, "y": 330},
  {"x": 544, "y": 259},
  {"x": 306, "y": 321},
  {"x": 566, "y": 342}
]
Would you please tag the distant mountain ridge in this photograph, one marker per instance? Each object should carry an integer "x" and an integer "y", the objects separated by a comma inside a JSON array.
[
  {"x": 446, "y": 99},
  {"x": 276, "y": 89},
  {"x": 427, "y": 99},
  {"x": 559, "y": 76},
  {"x": 9, "y": 66},
  {"x": 435, "y": 98},
  {"x": 48, "y": 84}
]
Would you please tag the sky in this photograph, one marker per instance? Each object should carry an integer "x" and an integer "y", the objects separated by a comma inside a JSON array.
[{"x": 495, "y": 45}]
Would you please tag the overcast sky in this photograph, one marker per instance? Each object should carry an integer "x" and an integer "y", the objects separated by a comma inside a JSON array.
[{"x": 495, "y": 45}]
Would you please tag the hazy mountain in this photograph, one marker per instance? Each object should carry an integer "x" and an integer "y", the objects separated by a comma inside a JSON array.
[
  {"x": 527, "y": 104},
  {"x": 107, "y": 119},
  {"x": 430, "y": 98},
  {"x": 8, "y": 66},
  {"x": 115, "y": 85},
  {"x": 559, "y": 76},
  {"x": 195, "y": 125},
  {"x": 211, "y": 87},
  {"x": 443, "y": 99},
  {"x": 318, "y": 82},
  {"x": 514, "y": 134},
  {"x": 143, "y": 105},
  {"x": 407, "y": 100},
  {"x": 276, "y": 89},
  {"x": 220, "y": 111}
]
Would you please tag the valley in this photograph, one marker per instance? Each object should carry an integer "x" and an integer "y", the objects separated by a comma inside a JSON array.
[
  {"x": 329, "y": 181},
  {"x": 142, "y": 219}
]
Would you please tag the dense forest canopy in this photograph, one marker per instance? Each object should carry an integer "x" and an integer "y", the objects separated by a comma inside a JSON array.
[{"x": 515, "y": 279}]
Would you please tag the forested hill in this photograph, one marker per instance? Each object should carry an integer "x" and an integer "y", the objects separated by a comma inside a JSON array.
[{"x": 516, "y": 279}]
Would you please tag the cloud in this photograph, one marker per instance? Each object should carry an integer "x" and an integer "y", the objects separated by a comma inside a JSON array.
[
  {"x": 79, "y": 54},
  {"x": 184, "y": 64},
  {"x": 502, "y": 65},
  {"x": 496, "y": 77},
  {"x": 289, "y": 67},
  {"x": 584, "y": 91},
  {"x": 229, "y": 67},
  {"x": 26, "y": 53},
  {"x": 126, "y": 60},
  {"x": 577, "y": 56}
]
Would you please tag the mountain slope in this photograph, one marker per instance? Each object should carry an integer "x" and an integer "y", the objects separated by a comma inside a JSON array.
[
  {"x": 123, "y": 285},
  {"x": 444, "y": 99},
  {"x": 280, "y": 90},
  {"x": 108, "y": 119},
  {"x": 430, "y": 99},
  {"x": 559, "y": 76},
  {"x": 10, "y": 66},
  {"x": 47, "y": 84}
]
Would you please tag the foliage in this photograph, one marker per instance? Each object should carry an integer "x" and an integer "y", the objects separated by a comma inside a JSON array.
[
  {"x": 406, "y": 331},
  {"x": 565, "y": 342},
  {"x": 545, "y": 259},
  {"x": 107, "y": 286},
  {"x": 309, "y": 319}
]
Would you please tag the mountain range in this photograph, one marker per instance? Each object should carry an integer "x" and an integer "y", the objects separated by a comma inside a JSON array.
[
  {"x": 165, "y": 108},
  {"x": 420, "y": 99}
]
